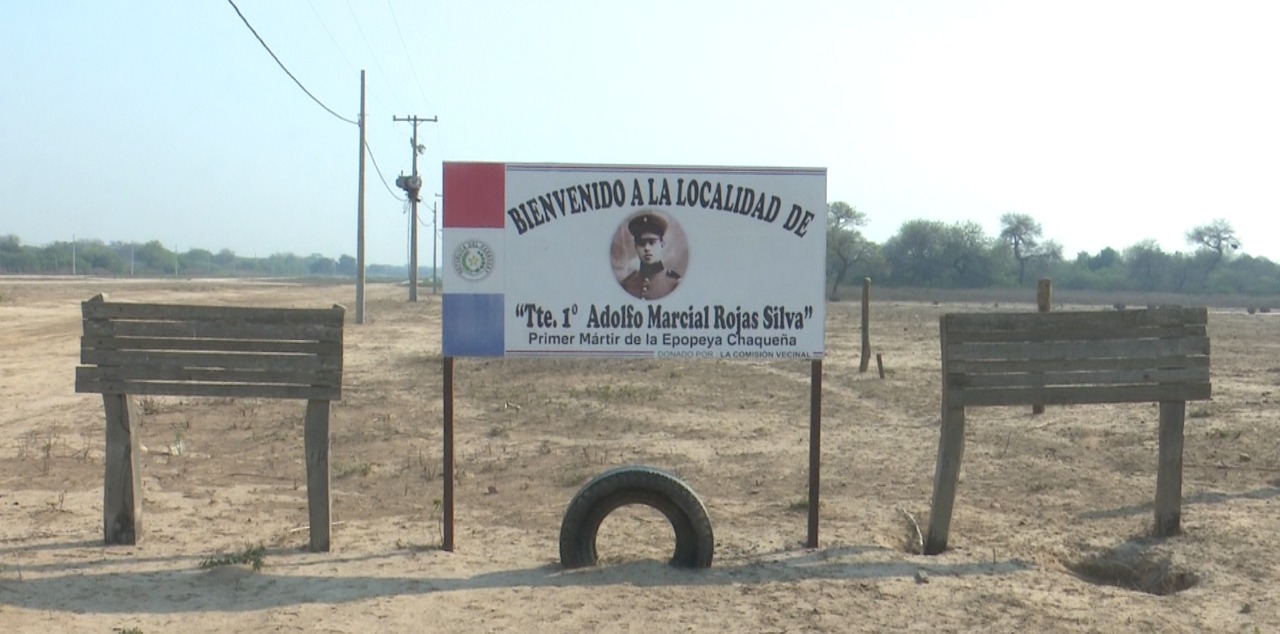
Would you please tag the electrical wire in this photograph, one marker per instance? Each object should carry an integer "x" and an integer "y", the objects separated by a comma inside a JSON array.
[
  {"x": 282, "y": 66},
  {"x": 412, "y": 69},
  {"x": 377, "y": 63},
  {"x": 331, "y": 37},
  {"x": 380, "y": 176}
]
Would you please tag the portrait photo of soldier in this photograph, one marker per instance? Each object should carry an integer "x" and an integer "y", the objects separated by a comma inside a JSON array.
[{"x": 649, "y": 255}]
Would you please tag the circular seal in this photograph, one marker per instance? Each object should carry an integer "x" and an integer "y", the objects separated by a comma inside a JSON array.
[{"x": 473, "y": 260}]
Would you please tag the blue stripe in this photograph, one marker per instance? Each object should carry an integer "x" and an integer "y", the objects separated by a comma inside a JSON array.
[{"x": 473, "y": 325}]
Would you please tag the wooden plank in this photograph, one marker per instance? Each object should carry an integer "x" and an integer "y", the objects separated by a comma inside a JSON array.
[
  {"x": 1169, "y": 470},
  {"x": 959, "y": 323},
  {"x": 92, "y": 374},
  {"x": 316, "y": 441},
  {"x": 323, "y": 348},
  {"x": 1096, "y": 377},
  {"x": 122, "y": 477},
  {"x": 1075, "y": 395},
  {"x": 991, "y": 366},
  {"x": 1111, "y": 348},
  {"x": 945, "y": 479},
  {"x": 190, "y": 312},
  {"x": 150, "y": 388},
  {"x": 229, "y": 360},
  {"x": 1079, "y": 334},
  {"x": 212, "y": 330}
]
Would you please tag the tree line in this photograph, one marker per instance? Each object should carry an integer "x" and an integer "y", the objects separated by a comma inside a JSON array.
[
  {"x": 923, "y": 253},
  {"x": 934, "y": 254},
  {"x": 152, "y": 259}
]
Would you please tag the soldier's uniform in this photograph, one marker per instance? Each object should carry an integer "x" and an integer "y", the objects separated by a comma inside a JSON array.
[{"x": 651, "y": 282}]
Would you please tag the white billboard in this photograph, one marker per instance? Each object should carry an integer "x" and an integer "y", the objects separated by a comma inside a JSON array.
[{"x": 633, "y": 261}]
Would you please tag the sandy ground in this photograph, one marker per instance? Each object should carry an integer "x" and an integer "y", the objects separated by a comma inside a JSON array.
[{"x": 1049, "y": 507}]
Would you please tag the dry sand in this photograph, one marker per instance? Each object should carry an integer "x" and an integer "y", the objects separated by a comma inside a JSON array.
[{"x": 1047, "y": 504}]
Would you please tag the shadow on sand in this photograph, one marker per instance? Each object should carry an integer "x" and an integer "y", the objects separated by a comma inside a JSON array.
[
  {"x": 1203, "y": 497},
  {"x": 90, "y": 586}
]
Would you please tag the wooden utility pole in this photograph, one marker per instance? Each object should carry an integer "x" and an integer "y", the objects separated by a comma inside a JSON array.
[
  {"x": 360, "y": 217},
  {"x": 411, "y": 186}
]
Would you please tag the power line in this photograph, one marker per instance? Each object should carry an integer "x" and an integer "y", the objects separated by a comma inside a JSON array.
[
  {"x": 282, "y": 66},
  {"x": 379, "y": 171},
  {"x": 371, "y": 53},
  {"x": 409, "y": 57},
  {"x": 331, "y": 38}
]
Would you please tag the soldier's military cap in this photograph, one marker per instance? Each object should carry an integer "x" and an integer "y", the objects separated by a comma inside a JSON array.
[{"x": 647, "y": 223}]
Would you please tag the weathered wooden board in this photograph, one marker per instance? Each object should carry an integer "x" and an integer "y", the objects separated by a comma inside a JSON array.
[
  {"x": 219, "y": 351},
  {"x": 997, "y": 359}
]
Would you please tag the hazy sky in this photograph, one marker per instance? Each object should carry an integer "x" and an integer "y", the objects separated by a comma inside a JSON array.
[{"x": 1110, "y": 122}]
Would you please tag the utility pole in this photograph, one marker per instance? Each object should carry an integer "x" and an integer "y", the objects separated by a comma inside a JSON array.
[
  {"x": 435, "y": 234},
  {"x": 411, "y": 186},
  {"x": 360, "y": 217}
]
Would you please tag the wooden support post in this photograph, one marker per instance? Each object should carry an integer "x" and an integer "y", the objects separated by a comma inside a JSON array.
[
  {"x": 446, "y": 537},
  {"x": 1044, "y": 301},
  {"x": 122, "y": 484},
  {"x": 316, "y": 446},
  {"x": 815, "y": 448},
  {"x": 950, "y": 452},
  {"x": 866, "y": 325},
  {"x": 1169, "y": 471}
]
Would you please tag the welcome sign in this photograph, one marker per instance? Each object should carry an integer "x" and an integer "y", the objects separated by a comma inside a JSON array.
[{"x": 633, "y": 261}]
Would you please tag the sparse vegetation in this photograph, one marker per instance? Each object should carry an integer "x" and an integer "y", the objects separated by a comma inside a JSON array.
[
  {"x": 252, "y": 556},
  {"x": 348, "y": 469},
  {"x": 149, "y": 405},
  {"x": 736, "y": 431},
  {"x": 1200, "y": 411},
  {"x": 626, "y": 393}
]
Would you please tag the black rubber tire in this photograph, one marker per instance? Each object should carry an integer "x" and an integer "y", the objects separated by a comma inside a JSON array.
[{"x": 695, "y": 543}]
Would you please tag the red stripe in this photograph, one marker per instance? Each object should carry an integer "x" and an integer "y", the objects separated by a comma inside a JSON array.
[{"x": 475, "y": 195}]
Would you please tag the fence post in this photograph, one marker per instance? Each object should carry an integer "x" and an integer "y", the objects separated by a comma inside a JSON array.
[
  {"x": 866, "y": 325},
  {"x": 1044, "y": 300},
  {"x": 1169, "y": 469}
]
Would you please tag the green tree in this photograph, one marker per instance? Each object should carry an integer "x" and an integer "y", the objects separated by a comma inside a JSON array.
[
  {"x": 154, "y": 257},
  {"x": 916, "y": 254},
  {"x": 1023, "y": 234},
  {"x": 1217, "y": 237},
  {"x": 346, "y": 266},
  {"x": 1147, "y": 265},
  {"x": 1106, "y": 258},
  {"x": 846, "y": 246},
  {"x": 969, "y": 255},
  {"x": 321, "y": 265}
]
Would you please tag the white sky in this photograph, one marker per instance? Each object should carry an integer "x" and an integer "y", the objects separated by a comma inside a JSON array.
[{"x": 1110, "y": 122}]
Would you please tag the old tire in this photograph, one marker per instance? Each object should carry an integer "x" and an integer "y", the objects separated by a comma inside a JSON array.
[{"x": 619, "y": 487}]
